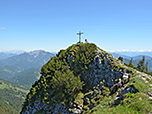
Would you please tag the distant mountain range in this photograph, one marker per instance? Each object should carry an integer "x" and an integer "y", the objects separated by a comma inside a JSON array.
[
  {"x": 133, "y": 53},
  {"x": 5, "y": 56},
  {"x": 23, "y": 68},
  {"x": 136, "y": 58}
]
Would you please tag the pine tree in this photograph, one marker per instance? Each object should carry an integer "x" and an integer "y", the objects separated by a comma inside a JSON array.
[
  {"x": 142, "y": 66},
  {"x": 120, "y": 58},
  {"x": 143, "y": 63},
  {"x": 146, "y": 67},
  {"x": 139, "y": 64},
  {"x": 65, "y": 84},
  {"x": 131, "y": 63}
]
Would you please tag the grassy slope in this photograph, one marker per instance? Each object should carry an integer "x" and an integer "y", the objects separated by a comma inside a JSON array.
[
  {"x": 11, "y": 97},
  {"x": 27, "y": 77},
  {"x": 132, "y": 103}
]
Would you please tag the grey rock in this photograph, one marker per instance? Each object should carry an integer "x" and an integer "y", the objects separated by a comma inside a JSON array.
[
  {"x": 125, "y": 76},
  {"x": 86, "y": 102},
  {"x": 91, "y": 106},
  {"x": 115, "y": 87},
  {"x": 117, "y": 100},
  {"x": 150, "y": 94},
  {"x": 76, "y": 111},
  {"x": 100, "y": 86},
  {"x": 130, "y": 89},
  {"x": 59, "y": 108}
]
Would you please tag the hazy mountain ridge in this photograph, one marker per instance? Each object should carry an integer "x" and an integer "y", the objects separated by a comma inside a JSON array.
[
  {"x": 4, "y": 55},
  {"x": 133, "y": 53},
  {"x": 22, "y": 63}
]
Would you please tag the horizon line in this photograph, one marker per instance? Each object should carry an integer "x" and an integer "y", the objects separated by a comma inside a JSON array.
[
  {"x": 122, "y": 50},
  {"x": 125, "y": 50}
]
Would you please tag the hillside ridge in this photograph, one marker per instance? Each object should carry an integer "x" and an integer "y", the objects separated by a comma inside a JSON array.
[{"x": 82, "y": 78}]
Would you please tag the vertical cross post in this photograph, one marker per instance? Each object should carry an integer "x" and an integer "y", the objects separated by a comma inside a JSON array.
[{"x": 80, "y": 33}]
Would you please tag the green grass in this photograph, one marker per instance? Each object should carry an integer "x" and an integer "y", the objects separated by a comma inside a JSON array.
[
  {"x": 140, "y": 84},
  {"x": 132, "y": 103},
  {"x": 2, "y": 86},
  {"x": 11, "y": 97}
]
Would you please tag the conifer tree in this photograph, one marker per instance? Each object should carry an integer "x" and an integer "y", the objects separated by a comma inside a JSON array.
[
  {"x": 131, "y": 63},
  {"x": 146, "y": 67},
  {"x": 120, "y": 58},
  {"x": 143, "y": 63},
  {"x": 142, "y": 66},
  {"x": 65, "y": 84},
  {"x": 139, "y": 64}
]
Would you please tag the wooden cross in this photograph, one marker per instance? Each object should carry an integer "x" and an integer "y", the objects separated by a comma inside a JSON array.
[{"x": 80, "y": 33}]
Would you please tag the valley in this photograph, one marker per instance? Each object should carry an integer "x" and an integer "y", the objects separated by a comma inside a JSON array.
[{"x": 12, "y": 96}]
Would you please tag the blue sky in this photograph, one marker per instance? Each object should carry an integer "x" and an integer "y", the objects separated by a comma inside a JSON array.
[{"x": 52, "y": 24}]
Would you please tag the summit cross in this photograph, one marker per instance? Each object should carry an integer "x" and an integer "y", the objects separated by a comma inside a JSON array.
[{"x": 80, "y": 33}]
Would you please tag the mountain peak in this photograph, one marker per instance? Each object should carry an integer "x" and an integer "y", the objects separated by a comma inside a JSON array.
[
  {"x": 17, "y": 64},
  {"x": 77, "y": 78},
  {"x": 36, "y": 53}
]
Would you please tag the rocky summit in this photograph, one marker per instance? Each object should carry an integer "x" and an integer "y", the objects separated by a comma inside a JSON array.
[{"x": 86, "y": 79}]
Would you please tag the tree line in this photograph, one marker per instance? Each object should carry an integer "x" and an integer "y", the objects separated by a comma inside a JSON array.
[{"x": 141, "y": 66}]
